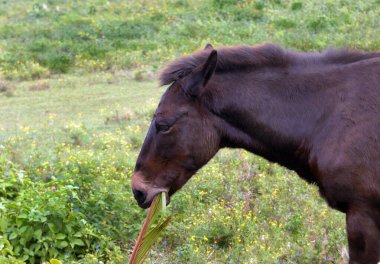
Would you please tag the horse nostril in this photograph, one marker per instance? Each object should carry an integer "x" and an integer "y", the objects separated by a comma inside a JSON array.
[{"x": 139, "y": 195}]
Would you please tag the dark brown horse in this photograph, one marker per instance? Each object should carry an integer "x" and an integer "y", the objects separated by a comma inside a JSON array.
[{"x": 315, "y": 113}]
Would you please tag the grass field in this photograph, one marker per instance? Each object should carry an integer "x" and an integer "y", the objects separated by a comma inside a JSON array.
[
  {"x": 87, "y": 99},
  {"x": 39, "y": 38},
  {"x": 76, "y": 98},
  {"x": 239, "y": 208}
]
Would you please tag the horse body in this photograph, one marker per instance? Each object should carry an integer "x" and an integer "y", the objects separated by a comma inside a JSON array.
[{"x": 317, "y": 114}]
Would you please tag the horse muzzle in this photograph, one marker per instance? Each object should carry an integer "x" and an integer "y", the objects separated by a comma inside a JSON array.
[{"x": 144, "y": 192}]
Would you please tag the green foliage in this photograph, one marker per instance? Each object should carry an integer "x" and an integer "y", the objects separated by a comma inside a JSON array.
[
  {"x": 296, "y": 5},
  {"x": 58, "y": 61},
  {"x": 63, "y": 218},
  {"x": 55, "y": 261},
  {"x": 38, "y": 38},
  {"x": 68, "y": 180},
  {"x": 153, "y": 226},
  {"x": 284, "y": 23},
  {"x": 11, "y": 178}
]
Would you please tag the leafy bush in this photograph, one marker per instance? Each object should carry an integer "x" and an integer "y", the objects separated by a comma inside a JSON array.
[
  {"x": 25, "y": 70},
  {"x": 64, "y": 219},
  {"x": 57, "y": 61}
]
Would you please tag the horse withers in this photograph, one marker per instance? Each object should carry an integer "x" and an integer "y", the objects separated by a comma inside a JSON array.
[{"x": 315, "y": 113}]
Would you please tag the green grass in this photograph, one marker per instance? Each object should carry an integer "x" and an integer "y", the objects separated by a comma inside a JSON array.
[
  {"x": 239, "y": 208},
  {"x": 90, "y": 99},
  {"x": 39, "y": 38}
]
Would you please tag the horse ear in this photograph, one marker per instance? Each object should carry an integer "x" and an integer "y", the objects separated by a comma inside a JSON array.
[
  {"x": 199, "y": 78},
  {"x": 209, "y": 46}
]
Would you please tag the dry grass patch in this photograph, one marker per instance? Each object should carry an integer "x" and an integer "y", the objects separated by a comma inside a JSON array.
[
  {"x": 6, "y": 88},
  {"x": 40, "y": 86}
]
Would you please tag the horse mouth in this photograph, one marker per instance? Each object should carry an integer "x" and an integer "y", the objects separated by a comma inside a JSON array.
[{"x": 147, "y": 203}]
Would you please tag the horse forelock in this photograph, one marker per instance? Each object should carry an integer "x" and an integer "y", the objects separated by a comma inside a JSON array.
[
  {"x": 182, "y": 67},
  {"x": 229, "y": 58}
]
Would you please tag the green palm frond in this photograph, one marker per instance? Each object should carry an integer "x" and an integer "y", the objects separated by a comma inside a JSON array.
[{"x": 149, "y": 235}]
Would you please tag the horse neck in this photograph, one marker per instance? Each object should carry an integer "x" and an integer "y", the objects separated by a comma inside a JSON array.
[{"x": 272, "y": 112}]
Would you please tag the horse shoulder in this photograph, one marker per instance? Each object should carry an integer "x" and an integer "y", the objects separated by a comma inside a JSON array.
[{"x": 345, "y": 162}]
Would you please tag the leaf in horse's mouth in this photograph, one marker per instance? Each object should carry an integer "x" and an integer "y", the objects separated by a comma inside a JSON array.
[{"x": 149, "y": 235}]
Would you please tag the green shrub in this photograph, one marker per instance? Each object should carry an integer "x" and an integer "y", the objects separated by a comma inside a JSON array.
[
  {"x": 225, "y": 3},
  {"x": 65, "y": 219},
  {"x": 318, "y": 23},
  {"x": 284, "y": 23},
  {"x": 11, "y": 179},
  {"x": 57, "y": 61},
  {"x": 296, "y": 5},
  {"x": 25, "y": 71}
]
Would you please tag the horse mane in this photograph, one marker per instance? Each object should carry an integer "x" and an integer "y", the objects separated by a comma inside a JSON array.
[{"x": 266, "y": 55}]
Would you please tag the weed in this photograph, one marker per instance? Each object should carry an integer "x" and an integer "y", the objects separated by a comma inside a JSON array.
[
  {"x": 284, "y": 23},
  {"x": 119, "y": 118},
  {"x": 296, "y": 5},
  {"x": 318, "y": 23}
]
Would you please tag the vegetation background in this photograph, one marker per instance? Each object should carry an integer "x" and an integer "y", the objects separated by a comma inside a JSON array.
[{"x": 77, "y": 92}]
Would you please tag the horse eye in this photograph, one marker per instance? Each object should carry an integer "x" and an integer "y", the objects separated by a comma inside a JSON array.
[{"x": 162, "y": 128}]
